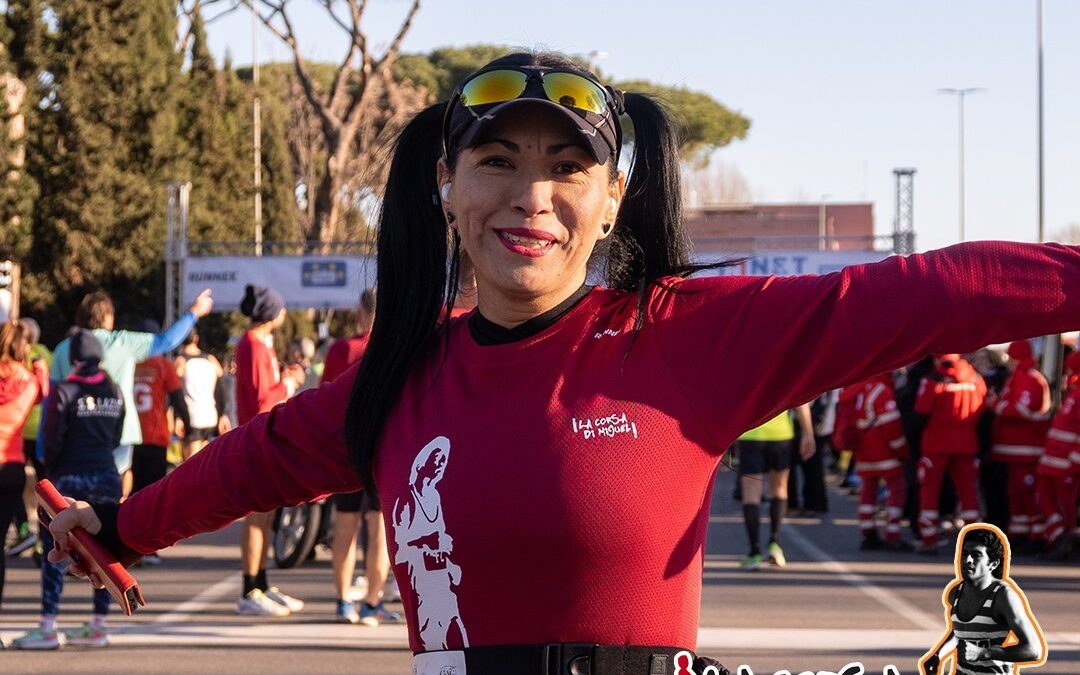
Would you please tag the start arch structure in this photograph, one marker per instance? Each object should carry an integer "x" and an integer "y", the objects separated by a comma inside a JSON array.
[{"x": 330, "y": 279}]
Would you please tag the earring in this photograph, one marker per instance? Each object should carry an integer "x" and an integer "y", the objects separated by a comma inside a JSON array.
[{"x": 606, "y": 228}]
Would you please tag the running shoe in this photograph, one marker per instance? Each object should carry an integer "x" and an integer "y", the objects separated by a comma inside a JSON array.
[
  {"x": 86, "y": 636},
  {"x": 151, "y": 560},
  {"x": 26, "y": 541},
  {"x": 776, "y": 555},
  {"x": 359, "y": 588},
  {"x": 256, "y": 603},
  {"x": 346, "y": 612},
  {"x": 286, "y": 601},
  {"x": 377, "y": 614},
  {"x": 38, "y": 638},
  {"x": 751, "y": 563}
]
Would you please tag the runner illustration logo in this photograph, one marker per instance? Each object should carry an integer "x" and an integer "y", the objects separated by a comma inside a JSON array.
[{"x": 990, "y": 628}]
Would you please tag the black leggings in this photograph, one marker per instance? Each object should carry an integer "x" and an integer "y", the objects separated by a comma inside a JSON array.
[
  {"x": 12, "y": 482},
  {"x": 148, "y": 465}
]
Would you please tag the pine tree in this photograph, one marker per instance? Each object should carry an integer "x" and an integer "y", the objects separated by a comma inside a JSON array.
[
  {"x": 108, "y": 144},
  {"x": 20, "y": 43}
]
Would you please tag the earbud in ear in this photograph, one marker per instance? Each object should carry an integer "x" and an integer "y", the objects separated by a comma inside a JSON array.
[{"x": 445, "y": 191}]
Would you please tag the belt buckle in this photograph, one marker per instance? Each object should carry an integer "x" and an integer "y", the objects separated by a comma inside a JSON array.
[{"x": 568, "y": 658}]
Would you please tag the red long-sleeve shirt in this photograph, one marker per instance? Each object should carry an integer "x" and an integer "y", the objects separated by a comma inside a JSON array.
[
  {"x": 258, "y": 378},
  {"x": 557, "y": 489},
  {"x": 953, "y": 399},
  {"x": 20, "y": 390},
  {"x": 1062, "y": 455},
  {"x": 1022, "y": 416},
  {"x": 882, "y": 446}
]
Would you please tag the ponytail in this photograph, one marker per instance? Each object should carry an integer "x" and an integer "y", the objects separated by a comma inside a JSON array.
[
  {"x": 649, "y": 241},
  {"x": 412, "y": 286}
]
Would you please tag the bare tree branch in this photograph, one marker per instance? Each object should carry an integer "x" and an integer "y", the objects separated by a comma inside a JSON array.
[
  {"x": 390, "y": 56},
  {"x": 329, "y": 6},
  {"x": 330, "y": 122}
]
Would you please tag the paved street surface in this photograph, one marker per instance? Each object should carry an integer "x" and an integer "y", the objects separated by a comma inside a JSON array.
[{"x": 832, "y": 605}]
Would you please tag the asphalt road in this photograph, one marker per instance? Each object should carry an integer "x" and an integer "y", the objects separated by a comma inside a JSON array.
[{"x": 832, "y": 605}]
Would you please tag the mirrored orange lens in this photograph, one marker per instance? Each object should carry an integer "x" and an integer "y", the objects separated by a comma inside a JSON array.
[
  {"x": 574, "y": 91},
  {"x": 497, "y": 86}
]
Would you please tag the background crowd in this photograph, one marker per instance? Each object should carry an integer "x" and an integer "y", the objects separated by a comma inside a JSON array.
[{"x": 945, "y": 441}]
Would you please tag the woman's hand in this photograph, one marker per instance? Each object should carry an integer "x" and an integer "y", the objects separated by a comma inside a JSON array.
[
  {"x": 807, "y": 447},
  {"x": 78, "y": 514},
  {"x": 224, "y": 425}
]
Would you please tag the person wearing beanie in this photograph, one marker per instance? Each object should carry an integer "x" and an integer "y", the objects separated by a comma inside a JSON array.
[
  {"x": 1058, "y": 473},
  {"x": 952, "y": 398},
  {"x": 1023, "y": 418},
  {"x": 261, "y": 385},
  {"x": 83, "y": 424}
]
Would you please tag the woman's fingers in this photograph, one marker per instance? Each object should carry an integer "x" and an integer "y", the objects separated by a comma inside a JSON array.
[{"x": 78, "y": 514}]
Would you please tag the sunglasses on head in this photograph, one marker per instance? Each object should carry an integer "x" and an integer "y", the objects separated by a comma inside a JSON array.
[
  {"x": 563, "y": 87},
  {"x": 587, "y": 98}
]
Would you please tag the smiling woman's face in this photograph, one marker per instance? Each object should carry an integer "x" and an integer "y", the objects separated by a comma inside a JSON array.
[{"x": 530, "y": 203}]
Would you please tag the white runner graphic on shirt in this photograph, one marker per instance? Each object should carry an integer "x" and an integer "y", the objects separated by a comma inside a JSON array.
[{"x": 424, "y": 546}]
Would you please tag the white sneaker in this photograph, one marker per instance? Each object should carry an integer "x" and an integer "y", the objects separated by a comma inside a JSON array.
[
  {"x": 38, "y": 638},
  {"x": 287, "y": 601},
  {"x": 256, "y": 603},
  {"x": 359, "y": 589}
]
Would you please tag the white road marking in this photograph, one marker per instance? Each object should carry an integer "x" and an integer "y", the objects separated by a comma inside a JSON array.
[
  {"x": 885, "y": 597},
  {"x": 184, "y": 611}
]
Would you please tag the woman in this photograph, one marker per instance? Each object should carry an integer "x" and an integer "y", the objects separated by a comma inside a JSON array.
[
  {"x": 22, "y": 386},
  {"x": 201, "y": 375},
  {"x": 553, "y": 452},
  {"x": 261, "y": 385}
]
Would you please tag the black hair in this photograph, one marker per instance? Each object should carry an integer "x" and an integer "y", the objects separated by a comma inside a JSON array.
[
  {"x": 995, "y": 550},
  {"x": 192, "y": 337},
  {"x": 247, "y": 303},
  {"x": 418, "y": 260}
]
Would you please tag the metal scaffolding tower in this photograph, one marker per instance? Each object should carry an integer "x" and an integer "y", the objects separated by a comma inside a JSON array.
[{"x": 904, "y": 224}]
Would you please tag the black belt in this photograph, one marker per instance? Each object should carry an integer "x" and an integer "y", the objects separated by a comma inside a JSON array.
[{"x": 573, "y": 658}]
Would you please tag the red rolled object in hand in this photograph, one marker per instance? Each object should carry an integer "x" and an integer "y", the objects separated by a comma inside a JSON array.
[{"x": 88, "y": 553}]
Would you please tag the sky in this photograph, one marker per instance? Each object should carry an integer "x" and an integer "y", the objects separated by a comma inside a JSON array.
[{"x": 839, "y": 92}]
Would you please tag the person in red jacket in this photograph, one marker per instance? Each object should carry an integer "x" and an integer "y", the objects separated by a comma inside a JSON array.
[
  {"x": 846, "y": 436},
  {"x": 1059, "y": 468},
  {"x": 260, "y": 385},
  {"x": 546, "y": 462},
  {"x": 23, "y": 384},
  {"x": 879, "y": 458},
  {"x": 951, "y": 397},
  {"x": 1023, "y": 418}
]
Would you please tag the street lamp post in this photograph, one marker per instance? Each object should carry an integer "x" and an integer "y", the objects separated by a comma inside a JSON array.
[{"x": 960, "y": 95}]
